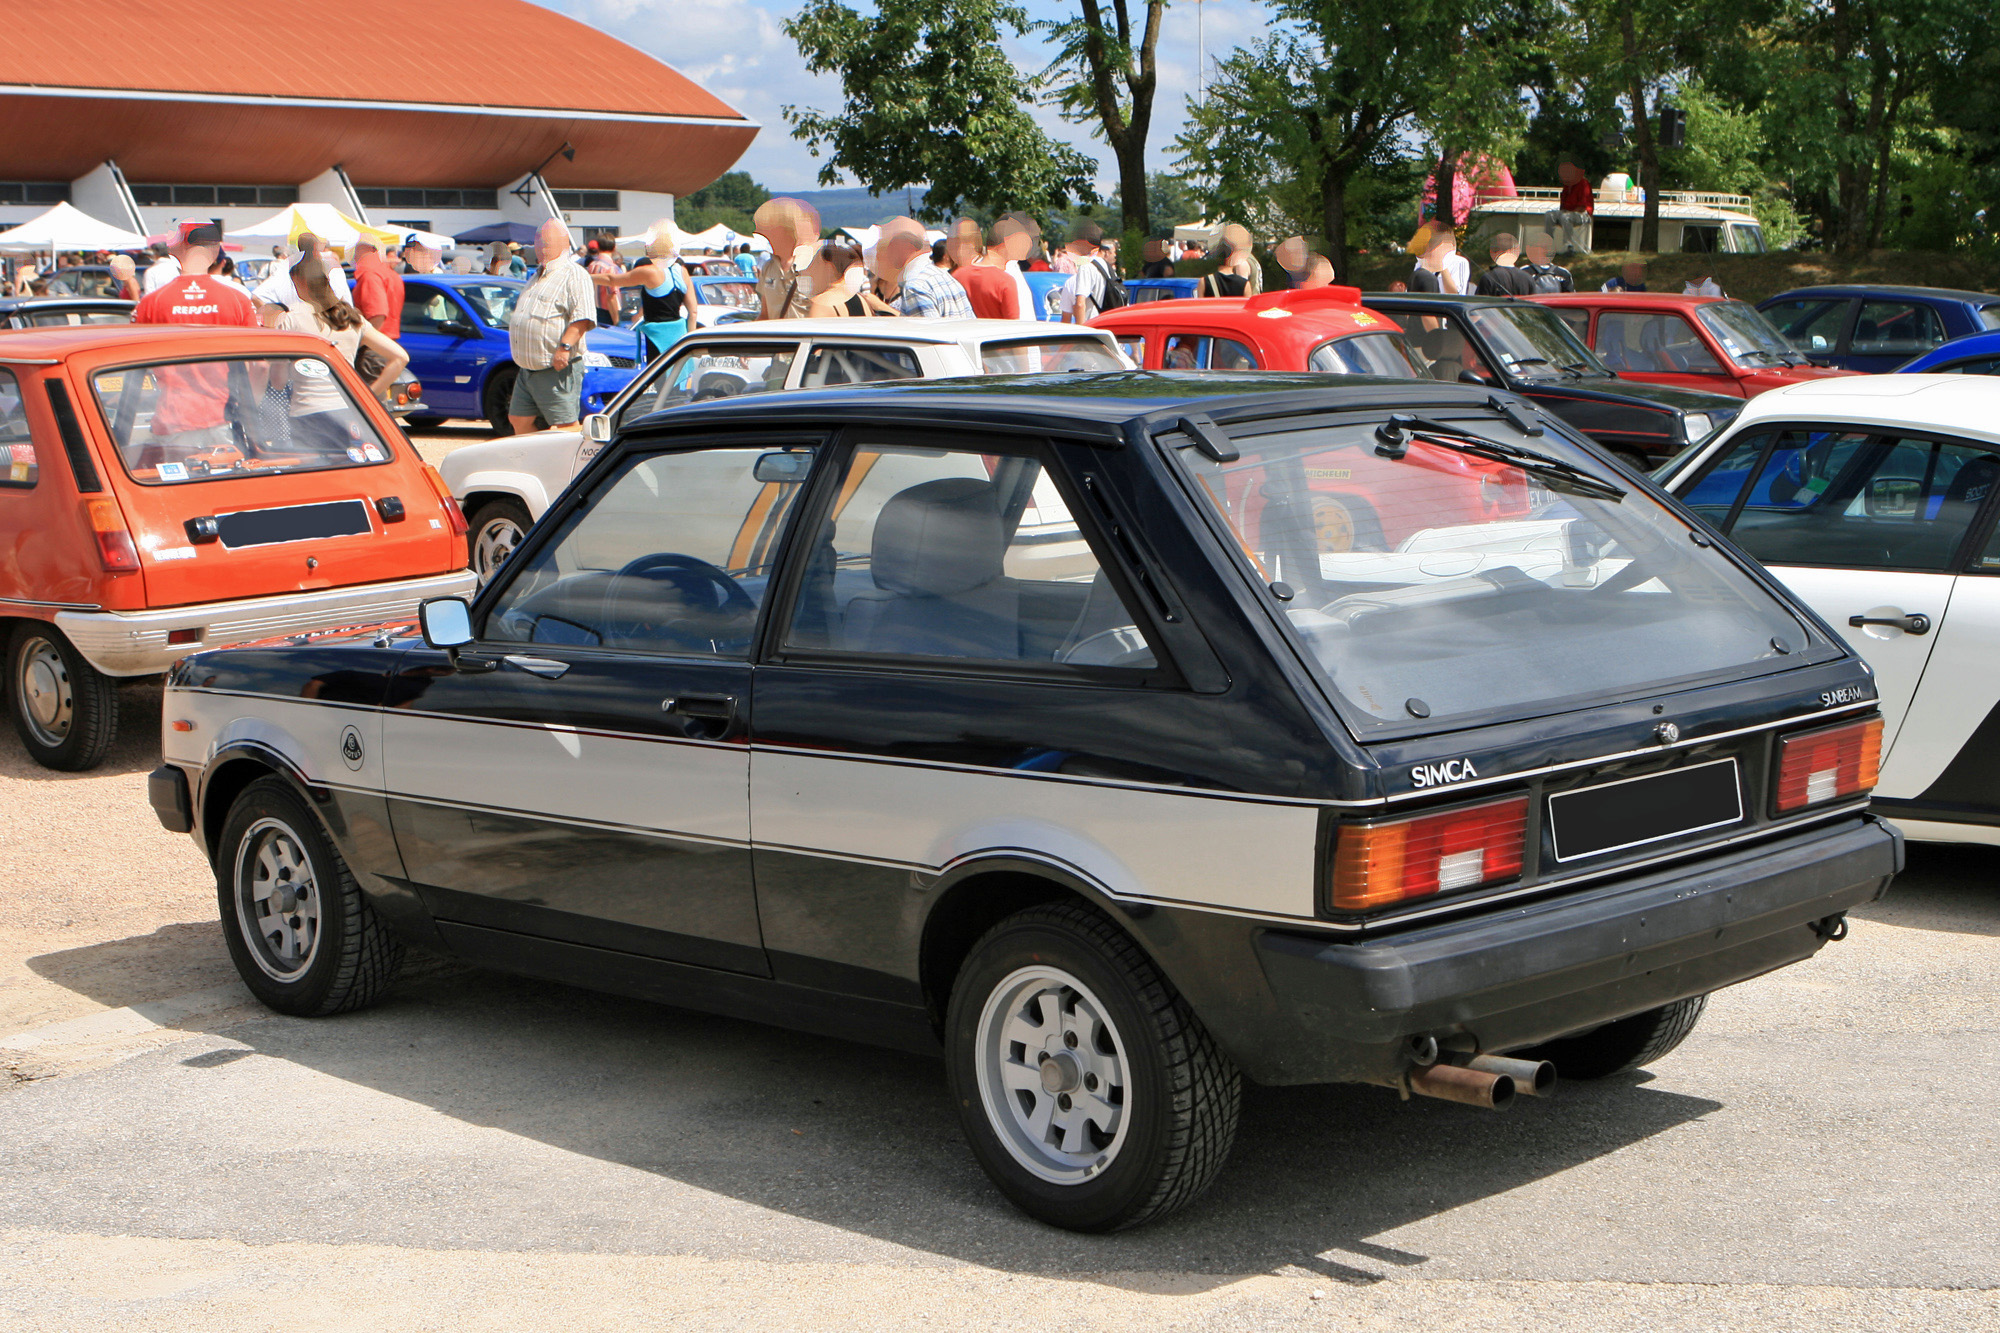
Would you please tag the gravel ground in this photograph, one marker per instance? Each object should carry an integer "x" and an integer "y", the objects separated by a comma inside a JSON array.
[{"x": 482, "y": 1152}]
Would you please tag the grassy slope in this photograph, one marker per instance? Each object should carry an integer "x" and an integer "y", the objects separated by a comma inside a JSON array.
[{"x": 1749, "y": 277}]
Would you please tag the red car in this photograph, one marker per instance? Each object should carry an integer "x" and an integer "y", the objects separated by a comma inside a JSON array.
[
  {"x": 168, "y": 489},
  {"x": 1360, "y": 502},
  {"x": 1691, "y": 342}
]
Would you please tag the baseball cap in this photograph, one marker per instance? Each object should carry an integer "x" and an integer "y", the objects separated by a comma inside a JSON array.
[{"x": 200, "y": 232}]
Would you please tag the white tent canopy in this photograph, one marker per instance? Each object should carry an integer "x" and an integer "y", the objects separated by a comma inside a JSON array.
[
  {"x": 322, "y": 220},
  {"x": 66, "y": 228},
  {"x": 1203, "y": 233}
]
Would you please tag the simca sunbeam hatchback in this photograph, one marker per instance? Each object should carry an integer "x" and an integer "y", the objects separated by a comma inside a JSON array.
[
  {"x": 1031, "y": 721},
  {"x": 165, "y": 489}
]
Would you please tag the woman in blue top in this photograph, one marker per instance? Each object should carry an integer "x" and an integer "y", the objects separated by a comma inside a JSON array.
[{"x": 666, "y": 294}]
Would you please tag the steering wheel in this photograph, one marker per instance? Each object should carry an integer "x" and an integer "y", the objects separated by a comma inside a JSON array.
[
  {"x": 689, "y": 576},
  {"x": 712, "y": 606}
]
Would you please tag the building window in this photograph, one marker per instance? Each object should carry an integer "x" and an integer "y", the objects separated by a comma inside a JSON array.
[
  {"x": 376, "y": 196},
  {"x": 408, "y": 224},
  {"x": 34, "y": 192},
  {"x": 211, "y": 196},
  {"x": 587, "y": 201}
]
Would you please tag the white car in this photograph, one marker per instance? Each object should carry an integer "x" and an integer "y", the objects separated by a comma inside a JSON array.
[
  {"x": 1874, "y": 500},
  {"x": 504, "y": 485}
]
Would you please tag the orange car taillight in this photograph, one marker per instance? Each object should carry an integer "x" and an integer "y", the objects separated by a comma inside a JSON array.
[
  {"x": 1375, "y": 865},
  {"x": 115, "y": 550},
  {"x": 1815, "y": 767},
  {"x": 451, "y": 510}
]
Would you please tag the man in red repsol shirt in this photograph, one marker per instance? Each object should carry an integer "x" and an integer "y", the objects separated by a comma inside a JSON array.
[{"x": 192, "y": 413}]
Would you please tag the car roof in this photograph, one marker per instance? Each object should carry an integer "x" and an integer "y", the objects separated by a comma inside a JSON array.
[
  {"x": 462, "y": 279},
  {"x": 1887, "y": 289},
  {"x": 1956, "y": 404},
  {"x": 1625, "y": 298},
  {"x": 1295, "y": 322},
  {"x": 49, "y": 345},
  {"x": 939, "y": 331},
  {"x": 65, "y": 303},
  {"x": 1096, "y": 404},
  {"x": 1428, "y": 298}
]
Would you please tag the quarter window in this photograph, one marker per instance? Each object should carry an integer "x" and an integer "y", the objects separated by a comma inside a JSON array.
[
  {"x": 961, "y": 555},
  {"x": 672, "y": 555},
  {"x": 1980, "y": 365},
  {"x": 18, "y": 466},
  {"x": 864, "y": 364},
  {"x": 1652, "y": 344}
]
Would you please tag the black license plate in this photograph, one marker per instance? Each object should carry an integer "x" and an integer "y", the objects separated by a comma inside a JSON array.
[
  {"x": 294, "y": 523},
  {"x": 1613, "y": 816}
]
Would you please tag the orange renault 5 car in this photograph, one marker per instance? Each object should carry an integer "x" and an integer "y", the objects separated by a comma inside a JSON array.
[
  {"x": 1323, "y": 329},
  {"x": 166, "y": 489}
]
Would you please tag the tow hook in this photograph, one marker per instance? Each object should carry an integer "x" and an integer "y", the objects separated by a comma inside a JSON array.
[{"x": 1831, "y": 928}]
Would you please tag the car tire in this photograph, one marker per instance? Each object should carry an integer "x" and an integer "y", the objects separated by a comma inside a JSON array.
[
  {"x": 1627, "y": 1044},
  {"x": 318, "y": 949},
  {"x": 65, "y": 710},
  {"x": 496, "y": 528},
  {"x": 499, "y": 396},
  {"x": 426, "y": 421},
  {"x": 1061, "y": 986},
  {"x": 1342, "y": 523}
]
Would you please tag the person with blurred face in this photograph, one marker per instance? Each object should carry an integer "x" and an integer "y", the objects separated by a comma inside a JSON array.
[
  {"x": 792, "y": 228},
  {"x": 124, "y": 278},
  {"x": 983, "y": 271},
  {"x": 378, "y": 289},
  {"x": 545, "y": 334},
  {"x": 667, "y": 302},
  {"x": 924, "y": 291},
  {"x": 1319, "y": 272},
  {"x": 1631, "y": 278},
  {"x": 418, "y": 257}
]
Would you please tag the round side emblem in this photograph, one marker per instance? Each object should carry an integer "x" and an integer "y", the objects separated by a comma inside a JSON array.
[
  {"x": 1666, "y": 733},
  {"x": 350, "y": 748}
]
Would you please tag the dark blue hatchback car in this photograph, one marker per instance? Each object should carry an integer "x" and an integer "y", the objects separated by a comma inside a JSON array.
[
  {"x": 1874, "y": 328},
  {"x": 455, "y": 330}
]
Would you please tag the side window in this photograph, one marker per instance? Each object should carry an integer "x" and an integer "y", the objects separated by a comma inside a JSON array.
[
  {"x": 1229, "y": 355},
  {"x": 1981, "y": 365},
  {"x": 424, "y": 308},
  {"x": 1716, "y": 492},
  {"x": 1134, "y": 346},
  {"x": 1193, "y": 351},
  {"x": 1703, "y": 238},
  {"x": 672, "y": 555},
  {"x": 1896, "y": 328},
  {"x": 1652, "y": 344},
  {"x": 958, "y": 554},
  {"x": 18, "y": 467},
  {"x": 1874, "y": 502},
  {"x": 713, "y": 370},
  {"x": 1578, "y": 321},
  {"x": 1988, "y": 560},
  {"x": 1442, "y": 346},
  {"x": 1809, "y": 325},
  {"x": 831, "y": 365}
]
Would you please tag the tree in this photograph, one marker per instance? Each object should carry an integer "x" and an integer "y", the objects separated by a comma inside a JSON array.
[
  {"x": 1102, "y": 77},
  {"x": 730, "y": 199},
  {"x": 932, "y": 99}
]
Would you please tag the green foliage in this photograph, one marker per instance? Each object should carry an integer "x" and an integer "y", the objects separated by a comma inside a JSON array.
[
  {"x": 931, "y": 98},
  {"x": 1104, "y": 75},
  {"x": 731, "y": 199}
]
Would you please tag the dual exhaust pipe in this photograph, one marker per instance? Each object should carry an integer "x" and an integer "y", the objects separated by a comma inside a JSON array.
[{"x": 1490, "y": 1081}]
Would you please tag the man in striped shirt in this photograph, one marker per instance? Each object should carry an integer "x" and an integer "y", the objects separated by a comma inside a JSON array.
[
  {"x": 553, "y": 312},
  {"x": 924, "y": 291}
]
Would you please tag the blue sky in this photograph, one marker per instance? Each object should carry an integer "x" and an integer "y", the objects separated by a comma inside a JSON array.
[{"x": 736, "y": 49}]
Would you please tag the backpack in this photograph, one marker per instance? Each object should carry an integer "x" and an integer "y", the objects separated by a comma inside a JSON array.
[
  {"x": 1542, "y": 279},
  {"x": 1113, "y": 294}
]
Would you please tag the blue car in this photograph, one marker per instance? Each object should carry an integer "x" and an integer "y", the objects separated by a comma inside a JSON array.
[
  {"x": 1864, "y": 326},
  {"x": 1140, "y": 290},
  {"x": 455, "y": 330},
  {"x": 1974, "y": 354}
]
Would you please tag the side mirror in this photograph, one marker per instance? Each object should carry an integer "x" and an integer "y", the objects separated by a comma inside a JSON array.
[
  {"x": 784, "y": 468},
  {"x": 597, "y": 428},
  {"x": 1892, "y": 497},
  {"x": 446, "y": 623},
  {"x": 457, "y": 328},
  {"x": 1474, "y": 377}
]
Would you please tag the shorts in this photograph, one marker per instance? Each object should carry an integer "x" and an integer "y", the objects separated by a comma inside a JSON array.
[{"x": 554, "y": 395}]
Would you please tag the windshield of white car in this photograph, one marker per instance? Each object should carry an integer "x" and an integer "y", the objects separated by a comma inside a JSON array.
[
  {"x": 1442, "y": 585},
  {"x": 1745, "y": 334},
  {"x": 1531, "y": 342}
]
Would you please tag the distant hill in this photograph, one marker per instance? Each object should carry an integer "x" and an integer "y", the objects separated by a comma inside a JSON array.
[{"x": 856, "y": 207}]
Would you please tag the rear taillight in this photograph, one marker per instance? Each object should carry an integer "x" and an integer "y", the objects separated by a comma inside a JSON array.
[
  {"x": 451, "y": 509},
  {"x": 115, "y": 550},
  {"x": 1830, "y": 764},
  {"x": 1375, "y": 865}
]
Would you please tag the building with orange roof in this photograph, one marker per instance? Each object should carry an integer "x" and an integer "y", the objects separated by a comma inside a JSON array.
[{"x": 147, "y": 111}]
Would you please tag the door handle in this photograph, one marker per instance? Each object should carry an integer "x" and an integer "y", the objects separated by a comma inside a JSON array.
[
  {"x": 546, "y": 668},
  {"x": 715, "y": 707},
  {"x": 1915, "y": 623}
]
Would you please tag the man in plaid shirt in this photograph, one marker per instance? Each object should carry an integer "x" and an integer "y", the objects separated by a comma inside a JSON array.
[
  {"x": 553, "y": 312},
  {"x": 926, "y": 291}
]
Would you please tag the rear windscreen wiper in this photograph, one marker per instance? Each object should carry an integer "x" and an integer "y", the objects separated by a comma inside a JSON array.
[{"x": 1394, "y": 435}]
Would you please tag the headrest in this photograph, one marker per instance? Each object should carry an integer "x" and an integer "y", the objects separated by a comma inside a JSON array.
[
  {"x": 939, "y": 538},
  {"x": 1441, "y": 344},
  {"x": 1974, "y": 480}
]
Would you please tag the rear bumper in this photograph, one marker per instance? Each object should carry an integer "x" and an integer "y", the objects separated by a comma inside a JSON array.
[
  {"x": 134, "y": 643},
  {"x": 1512, "y": 978}
]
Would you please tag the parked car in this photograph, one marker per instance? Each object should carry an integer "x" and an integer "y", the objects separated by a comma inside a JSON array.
[
  {"x": 1141, "y": 290},
  {"x": 719, "y": 266},
  {"x": 1522, "y": 347},
  {"x": 505, "y": 485},
  {"x": 161, "y": 498},
  {"x": 1692, "y": 342},
  {"x": 455, "y": 330},
  {"x": 1114, "y": 801},
  {"x": 83, "y": 280},
  {"x": 1871, "y": 327},
  {"x": 1874, "y": 501},
  {"x": 1974, "y": 354},
  {"x": 42, "y": 312},
  {"x": 1322, "y": 329}
]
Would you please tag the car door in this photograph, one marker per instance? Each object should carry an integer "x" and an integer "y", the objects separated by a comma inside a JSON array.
[
  {"x": 1888, "y": 332},
  {"x": 582, "y": 776},
  {"x": 1946, "y": 764},
  {"x": 1661, "y": 347},
  {"x": 446, "y": 355},
  {"x": 1870, "y": 529}
]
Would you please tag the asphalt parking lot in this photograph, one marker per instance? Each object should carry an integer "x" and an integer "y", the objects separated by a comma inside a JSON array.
[{"x": 486, "y": 1152}]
